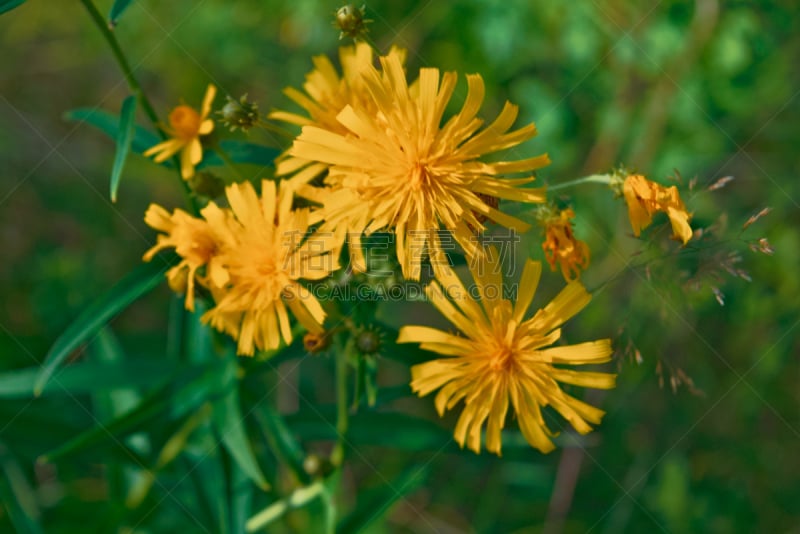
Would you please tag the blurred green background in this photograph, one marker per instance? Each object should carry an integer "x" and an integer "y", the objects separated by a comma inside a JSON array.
[{"x": 705, "y": 88}]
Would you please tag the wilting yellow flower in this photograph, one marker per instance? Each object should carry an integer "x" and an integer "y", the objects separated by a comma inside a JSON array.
[
  {"x": 186, "y": 126},
  {"x": 502, "y": 357},
  {"x": 397, "y": 167},
  {"x": 562, "y": 247},
  {"x": 327, "y": 94},
  {"x": 193, "y": 240},
  {"x": 645, "y": 198},
  {"x": 266, "y": 250}
]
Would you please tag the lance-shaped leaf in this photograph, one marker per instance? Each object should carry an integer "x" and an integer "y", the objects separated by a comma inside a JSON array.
[
  {"x": 229, "y": 423},
  {"x": 125, "y": 131},
  {"x": 8, "y": 5},
  {"x": 116, "y": 10},
  {"x": 141, "y": 280}
]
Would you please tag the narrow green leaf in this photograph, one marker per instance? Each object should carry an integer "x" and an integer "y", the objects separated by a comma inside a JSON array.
[
  {"x": 181, "y": 395},
  {"x": 282, "y": 442},
  {"x": 86, "y": 377},
  {"x": 127, "y": 125},
  {"x": 20, "y": 499},
  {"x": 8, "y": 5},
  {"x": 109, "y": 403},
  {"x": 108, "y": 123},
  {"x": 388, "y": 429},
  {"x": 238, "y": 151},
  {"x": 141, "y": 280},
  {"x": 373, "y": 504},
  {"x": 241, "y": 499},
  {"x": 116, "y": 10},
  {"x": 241, "y": 152},
  {"x": 229, "y": 423},
  {"x": 204, "y": 466}
]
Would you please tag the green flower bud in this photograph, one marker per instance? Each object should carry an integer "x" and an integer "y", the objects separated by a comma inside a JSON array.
[
  {"x": 350, "y": 21},
  {"x": 239, "y": 113},
  {"x": 368, "y": 342}
]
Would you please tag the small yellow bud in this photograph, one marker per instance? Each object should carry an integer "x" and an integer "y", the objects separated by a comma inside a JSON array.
[{"x": 316, "y": 343}]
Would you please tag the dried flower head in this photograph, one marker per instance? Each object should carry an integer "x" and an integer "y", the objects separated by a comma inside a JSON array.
[
  {"x": 645, "y": 198},
  {"x": 561, "y": 246}
]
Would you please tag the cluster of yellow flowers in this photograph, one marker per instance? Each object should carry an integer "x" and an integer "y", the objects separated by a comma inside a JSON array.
[{"x": 376, "y": 154}]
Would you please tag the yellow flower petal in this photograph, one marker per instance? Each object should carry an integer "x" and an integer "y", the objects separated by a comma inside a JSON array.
[{"x": 503, "y": 360}]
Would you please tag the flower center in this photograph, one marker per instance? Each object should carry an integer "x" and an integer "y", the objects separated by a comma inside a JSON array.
[
  {"x": 268, "y": 268},
  {"x": 185, "y": 121},
  {"x": 420, "y": 176},
  {"x": 502, "y": 359}
]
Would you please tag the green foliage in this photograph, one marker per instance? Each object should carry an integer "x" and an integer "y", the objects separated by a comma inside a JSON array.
[
  {"x": 136, "y": 418},
  {"x": 141, "y": 280},
  {"x": 8, "y": 5},
  {"x": 116, "y": 10},
  {"x": 127, "y": 125}
]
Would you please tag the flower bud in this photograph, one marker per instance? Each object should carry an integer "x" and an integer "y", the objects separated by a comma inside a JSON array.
[
  {"x": 239, "y": 113},
  {"x": 350, "y": 21},
  {"x": 316, "y": 343},
  {"x": 368, "y": 342}
]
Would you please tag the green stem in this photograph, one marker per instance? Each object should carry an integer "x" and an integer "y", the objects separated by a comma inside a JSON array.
[
  {"x": 367, "y": 39},
  {"x": 337, "y": 455},
  {"x": 276, "y": 129},
  {"x": 135, "y": 88},
  {"x": 594, "y": 178},
  {"x": 119, "y": 55},
  {"x": 276, "y": 510}
]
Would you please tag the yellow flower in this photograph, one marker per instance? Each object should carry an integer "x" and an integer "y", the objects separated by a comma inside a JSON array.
[
  {"x": 327, "y": 94},
  {"x": 194, "y": 241},
  {"x": 266, "y": 250},
  {"x": 186, "y": 126},
  {"x": 397, "y": 167},
  {"x": 502, "y": 357},
  {"x": 562, "y": 247},
  {"x": 645, "y": 198}
]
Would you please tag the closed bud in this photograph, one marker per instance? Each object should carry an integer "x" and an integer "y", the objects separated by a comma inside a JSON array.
[
  {"x": 350, "y": 21},
  {"x": 239, "y": 114},
  {"x": 368, "y": 342}
]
